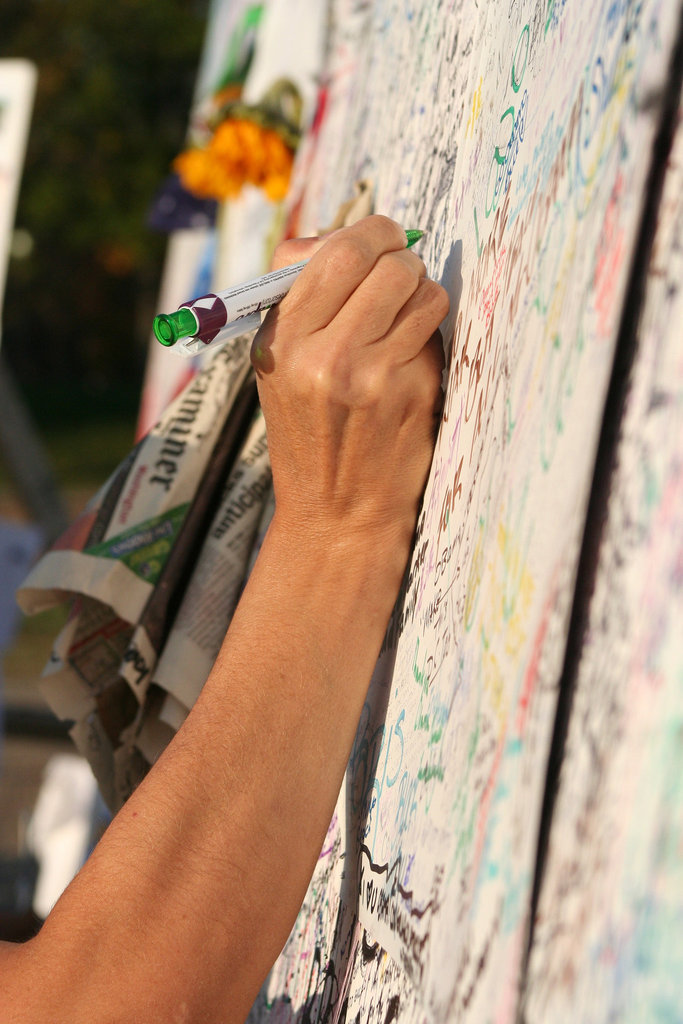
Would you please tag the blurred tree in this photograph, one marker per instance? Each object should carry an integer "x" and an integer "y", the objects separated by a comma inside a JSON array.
[{"x": 115, "y": 83}]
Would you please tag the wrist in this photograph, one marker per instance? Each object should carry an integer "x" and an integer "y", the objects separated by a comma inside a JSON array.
[
  {"x": 326, "y": 589},
  {"x": 374, "y": 556}
]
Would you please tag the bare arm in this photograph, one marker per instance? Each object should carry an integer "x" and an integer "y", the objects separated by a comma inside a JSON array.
[{"x": 190, "y": 895}]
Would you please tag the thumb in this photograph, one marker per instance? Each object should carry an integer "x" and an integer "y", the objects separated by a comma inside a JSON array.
[{"x": 294, "y": 250}]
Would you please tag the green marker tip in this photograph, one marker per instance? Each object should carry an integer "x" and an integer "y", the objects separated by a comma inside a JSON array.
[{"x": 413, "y": 235}]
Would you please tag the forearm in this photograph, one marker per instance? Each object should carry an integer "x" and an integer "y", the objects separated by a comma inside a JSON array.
[
  {"x": 185, "y": 903},
  {"x": 202, "y": 873}
]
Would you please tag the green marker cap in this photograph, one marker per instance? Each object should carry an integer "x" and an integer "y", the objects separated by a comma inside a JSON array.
[{"x": 170, "y": 327}]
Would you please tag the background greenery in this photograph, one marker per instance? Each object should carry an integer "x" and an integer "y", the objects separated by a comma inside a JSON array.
[{"x": 115, "y": 83}]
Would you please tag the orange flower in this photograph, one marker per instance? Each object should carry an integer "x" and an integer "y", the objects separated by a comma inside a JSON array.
[{"x": 239, "y": 151}]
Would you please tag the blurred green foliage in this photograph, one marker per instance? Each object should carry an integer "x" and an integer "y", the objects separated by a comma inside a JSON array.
[{"x": 115, "y": 85}]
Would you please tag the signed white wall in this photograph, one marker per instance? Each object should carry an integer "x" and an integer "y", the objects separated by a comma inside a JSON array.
[{"x": 521, "y": 136}]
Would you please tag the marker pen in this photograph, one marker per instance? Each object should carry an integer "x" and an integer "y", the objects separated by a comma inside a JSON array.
[{"x": 213, "y": 319}]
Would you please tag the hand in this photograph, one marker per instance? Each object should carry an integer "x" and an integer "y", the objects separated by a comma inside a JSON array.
[{"x": 349, "y": 374}]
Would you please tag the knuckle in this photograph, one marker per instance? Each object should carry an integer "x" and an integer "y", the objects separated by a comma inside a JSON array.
[
  {"x": 392, "y": 232},
  {"x": 374, "y": 384},
  {"x": 321, "y": 378},
  {"x": 435, "y": 297},
  {"x": 322, "y": 369},
  {"x": 385, "y": 223},
  {"x": 398, "y": 273},
  {"x": 348, "y": 255},
  {"x": 416, "y": 261},
  {"x": 386, "y": 232}
]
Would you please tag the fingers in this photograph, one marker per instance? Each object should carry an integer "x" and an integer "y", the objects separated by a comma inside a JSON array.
[
  {"x": 294, "y": 250},
  {"x": 436, "y": 359},
  {"x": 363, "y": 290},
  {"x": 395, "y": 302},
  {"x": 339, "y": 264},
  {"x": 371, "y": 309},
  {"x": 418, "y": 318},
  {"x": 396, "y": 299},
  {"x": 418, "y": 383}
]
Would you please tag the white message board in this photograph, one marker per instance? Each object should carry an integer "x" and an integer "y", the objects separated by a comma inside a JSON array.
[{"x": 521, "y": 135}]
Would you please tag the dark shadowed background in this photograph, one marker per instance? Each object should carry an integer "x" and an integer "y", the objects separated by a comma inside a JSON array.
[{"x": 114, "y": 89}]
